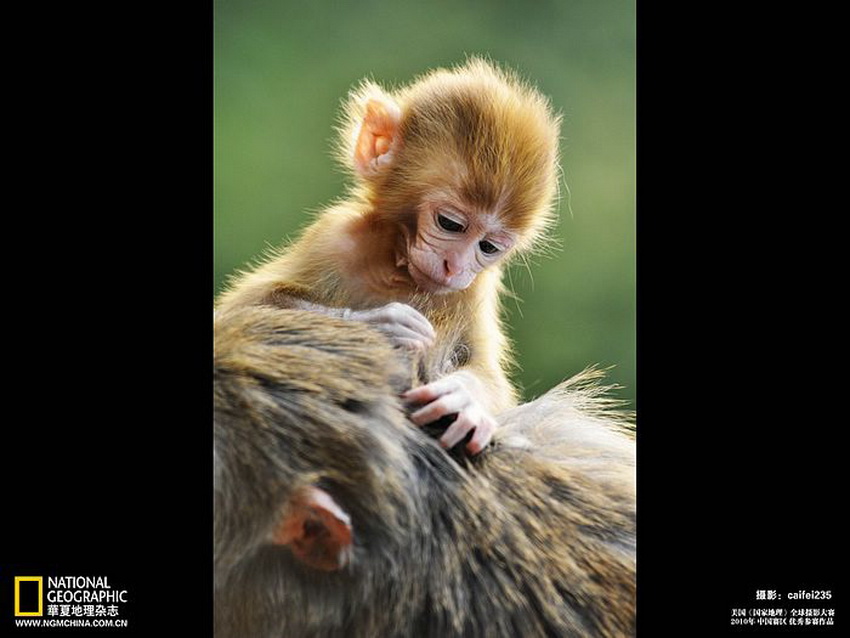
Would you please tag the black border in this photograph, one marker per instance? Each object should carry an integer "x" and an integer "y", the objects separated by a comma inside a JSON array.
[
  {"x": 106, "y": 458},
  {"x": 740, "y": 343}
]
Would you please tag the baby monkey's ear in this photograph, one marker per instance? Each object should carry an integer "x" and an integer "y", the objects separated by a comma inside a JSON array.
[{"x": 377, "y": 137}]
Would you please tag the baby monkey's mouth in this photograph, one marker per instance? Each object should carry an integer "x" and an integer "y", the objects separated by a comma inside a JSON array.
[{"x": 427, "y": 283}]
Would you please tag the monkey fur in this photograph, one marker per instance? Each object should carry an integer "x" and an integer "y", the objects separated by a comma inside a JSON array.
[{"x": 535, "y": 536}]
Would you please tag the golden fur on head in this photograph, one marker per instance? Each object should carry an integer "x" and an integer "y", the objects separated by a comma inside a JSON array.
[{"x": 475, "y": 131}]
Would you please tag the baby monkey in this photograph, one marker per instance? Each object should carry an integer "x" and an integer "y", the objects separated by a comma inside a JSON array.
[{"x": 453, "y": 175}]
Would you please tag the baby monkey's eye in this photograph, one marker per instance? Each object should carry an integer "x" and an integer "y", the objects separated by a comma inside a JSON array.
[
  {"x": 487, "y": 247},
  {"x": 449, "y": 224}
]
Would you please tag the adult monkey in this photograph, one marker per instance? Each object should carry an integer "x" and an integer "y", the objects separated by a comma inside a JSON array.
[
  {"x": 333, "y": 517},
  {"x": 453, "y": 174}
]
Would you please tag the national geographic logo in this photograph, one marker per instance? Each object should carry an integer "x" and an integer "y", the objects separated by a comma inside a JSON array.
[
  {"x": 69, "y": 601},
  {"x": 29, "y": 595}
]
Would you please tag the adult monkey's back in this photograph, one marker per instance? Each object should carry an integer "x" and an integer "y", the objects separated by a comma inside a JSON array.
[{"x": 334, "y": 516}]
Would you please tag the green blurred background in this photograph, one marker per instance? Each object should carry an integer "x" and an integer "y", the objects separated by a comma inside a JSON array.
[{"x": 282, "y": 67}]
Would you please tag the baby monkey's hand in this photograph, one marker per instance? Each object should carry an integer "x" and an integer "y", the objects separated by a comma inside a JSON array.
[
  {"x": 405, "y": 326},
  {"x": 454, "y": 394}
]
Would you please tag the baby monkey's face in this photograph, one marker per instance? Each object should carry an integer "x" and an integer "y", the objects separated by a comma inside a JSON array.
[{"x": 452, "y": 244}]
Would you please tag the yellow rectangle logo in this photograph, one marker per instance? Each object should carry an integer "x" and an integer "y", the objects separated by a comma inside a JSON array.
[{"x": 28, "y": 612}]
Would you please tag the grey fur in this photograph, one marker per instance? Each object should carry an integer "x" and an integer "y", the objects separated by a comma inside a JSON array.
[{"x": 534, "y": 537}]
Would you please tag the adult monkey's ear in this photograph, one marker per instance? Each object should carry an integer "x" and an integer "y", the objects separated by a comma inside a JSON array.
[
  {"x": 370, "y": 130},
  {"x": 316, "y": 529}
]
